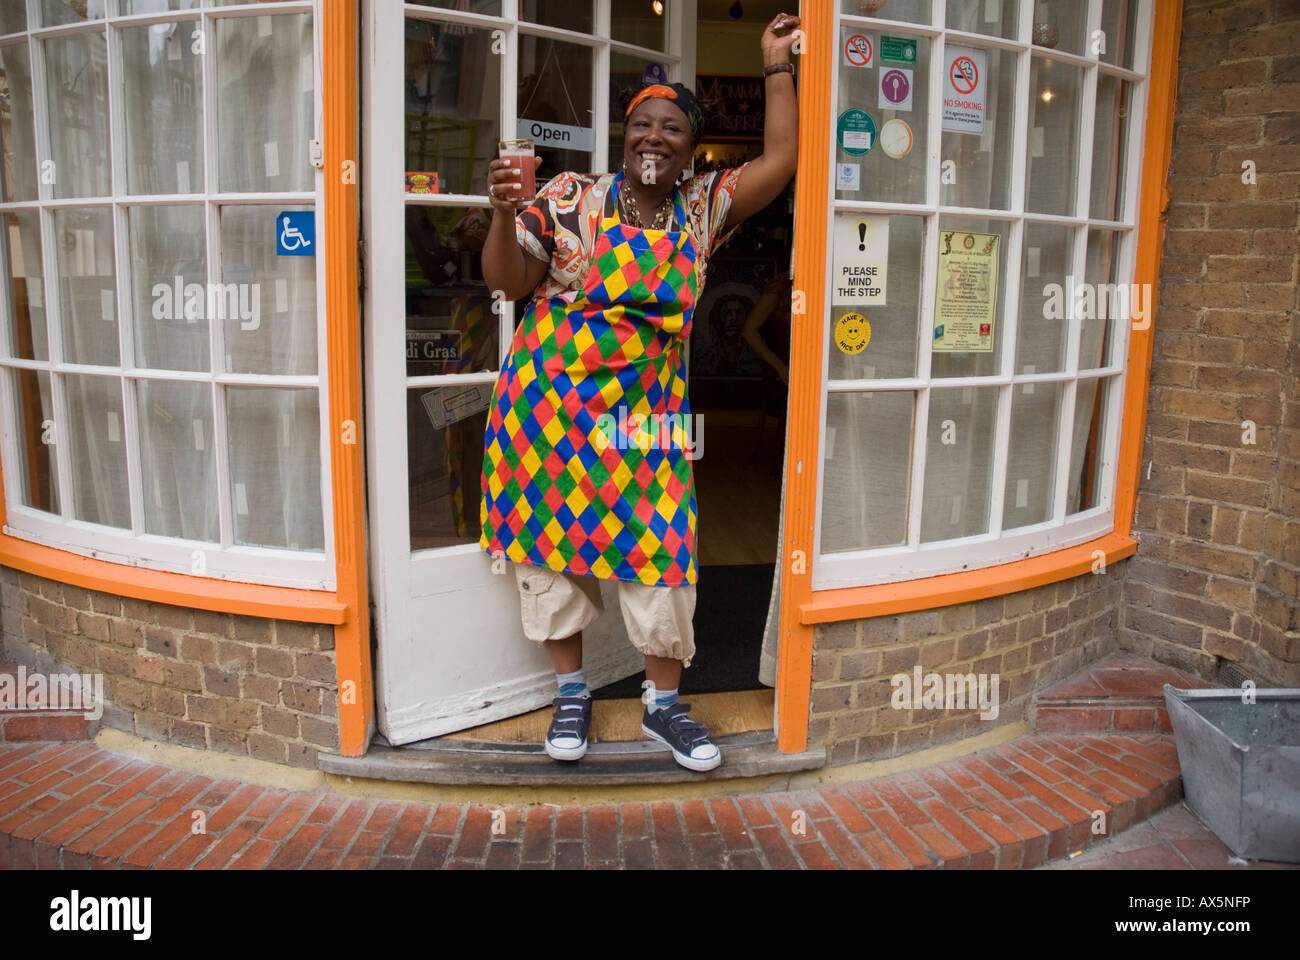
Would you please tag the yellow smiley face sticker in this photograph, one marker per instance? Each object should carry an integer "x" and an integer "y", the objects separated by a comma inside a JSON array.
[{"x": 852, "y": 333}]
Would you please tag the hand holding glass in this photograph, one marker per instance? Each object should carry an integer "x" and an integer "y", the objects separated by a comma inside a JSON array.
[{"x": 519, "y": 155}]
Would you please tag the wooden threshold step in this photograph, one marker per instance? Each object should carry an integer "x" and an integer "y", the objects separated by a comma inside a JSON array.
[{"x": 465, "y": 762}]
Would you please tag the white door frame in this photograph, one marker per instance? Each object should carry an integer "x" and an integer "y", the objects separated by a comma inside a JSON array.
[{"x": 450, "y": 648}]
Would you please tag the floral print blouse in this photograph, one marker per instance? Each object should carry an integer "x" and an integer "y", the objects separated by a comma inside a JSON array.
[{"x": 561, "y": 225}]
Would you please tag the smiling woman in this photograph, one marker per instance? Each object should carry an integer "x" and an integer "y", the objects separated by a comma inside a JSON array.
[{"x": 614, "y": 266}]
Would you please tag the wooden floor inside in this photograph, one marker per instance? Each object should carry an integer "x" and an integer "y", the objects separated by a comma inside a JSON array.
[{"x": 620, "y": 720}]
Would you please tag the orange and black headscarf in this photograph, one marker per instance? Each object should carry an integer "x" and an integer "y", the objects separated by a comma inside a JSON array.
[{"x": 680, "y": 96}]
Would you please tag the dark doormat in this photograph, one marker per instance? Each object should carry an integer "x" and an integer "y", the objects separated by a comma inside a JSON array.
[{"x": 730, "y": 613}]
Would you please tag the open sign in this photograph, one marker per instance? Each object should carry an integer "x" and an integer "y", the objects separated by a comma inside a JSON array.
[{"x": 557, "y": 136}]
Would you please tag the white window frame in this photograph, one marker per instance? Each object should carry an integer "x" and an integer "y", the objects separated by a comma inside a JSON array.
[
  {"x": 916, "y": 560},
  {"x": 225, "y": 560}
]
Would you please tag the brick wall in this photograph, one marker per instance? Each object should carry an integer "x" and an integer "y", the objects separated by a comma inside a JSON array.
[
  {"x": 1218, "y": 520},
  {"x": 1030, "y": 639},
  {"x": 243, "y": 685}
]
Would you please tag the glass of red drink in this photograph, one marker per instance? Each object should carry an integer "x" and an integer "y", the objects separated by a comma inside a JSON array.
[{"x": 519, "y": 154}]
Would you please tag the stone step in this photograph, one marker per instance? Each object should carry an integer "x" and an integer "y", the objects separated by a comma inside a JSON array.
[
  {"x": 612, "y": 763},
  {"x": 1121, "y": 693}
]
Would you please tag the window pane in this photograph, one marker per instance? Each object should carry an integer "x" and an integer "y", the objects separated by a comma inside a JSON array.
[
  {"x": 76, "y": 87},
  {"x": 97, "y": 450},
  {"x": 451, "y": 326},
  {"x": 17, "y": 129},
  {"x": 169, "y": 278},
  {"x": 568, "y": 14},
  {"x": 453, "y": 105},
  {"x": 490, "y": 8},
  {"x": 994, "y": 18},
  {"x": 911, "y": 11},
  {"x": 265, "y": 103},
  {"x": 959, "y": 463},
  {"x": 1060, "y": 25},
  {"x": 1053, "y": 137},
  {"x": 38, "y": 466},
  {"x": 555, "y": 90},
  {"x": 27, "y": 338},
  {"x": 980, "y": 171},
  {"x": 1091, "y": 424},
  {"x": 1044, "y": 327},
  {"x": 275, "y": 467},
  {"x": 1118, "y": 21},
  {"x": 154, "y": 6},
  {"x": 969, "y": 296},
  {"x": 87, "y": 288},
  {"x": 177, "y": 461},
  {"x": 890, "y": 352},
  {"x": 269, "y": 300},
  {"x": 867, "y": 435},
  {"x": 635, "y": 21},
  {"x": 164, "y": 109},
  {"x": 1031, "y": 464},
  {"x": 1111, "y": 304},
  {"x": 55, "y": 12},
  {"x": 896, "y": 98},
  {"x": 445, "y": 428},
  {"x": 1109, "y": 146},
  {"x": 13, "y": 17}
]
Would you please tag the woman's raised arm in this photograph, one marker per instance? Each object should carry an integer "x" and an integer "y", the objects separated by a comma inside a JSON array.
[{"x": 764, "y": 178}]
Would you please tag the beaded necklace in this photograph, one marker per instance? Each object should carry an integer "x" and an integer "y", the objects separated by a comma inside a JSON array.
[{"x": 632, "y": 214}]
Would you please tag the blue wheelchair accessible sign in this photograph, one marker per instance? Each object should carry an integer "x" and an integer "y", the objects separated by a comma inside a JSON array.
[{"x": 295, "y": 234}]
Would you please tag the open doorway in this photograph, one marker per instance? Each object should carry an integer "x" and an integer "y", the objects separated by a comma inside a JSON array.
[
  {"x": 738, "y": 356},
  {"x": 451, "y": 662}
]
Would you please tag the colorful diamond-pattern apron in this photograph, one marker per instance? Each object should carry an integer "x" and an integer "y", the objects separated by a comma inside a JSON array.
[{"x": 560, "y": 488}]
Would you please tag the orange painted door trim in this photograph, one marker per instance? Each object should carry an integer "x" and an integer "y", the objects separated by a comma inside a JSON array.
[
  {"x": 339, "y": 52},
  {"x": 800, "y": 606},
  {"x": 794, "y": 657}
]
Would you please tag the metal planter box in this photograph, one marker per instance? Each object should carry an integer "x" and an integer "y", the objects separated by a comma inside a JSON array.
[{"x": 1241, "y": 766}]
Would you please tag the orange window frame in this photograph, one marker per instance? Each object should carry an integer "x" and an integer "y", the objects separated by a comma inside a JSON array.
[{"x": 802, "y": 607}]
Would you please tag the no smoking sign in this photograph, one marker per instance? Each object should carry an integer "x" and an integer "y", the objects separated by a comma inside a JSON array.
[
  {"x": 965, "y": 75},
  {"x": 965, "y": 92},
  {"x": 858, "y": 51}
]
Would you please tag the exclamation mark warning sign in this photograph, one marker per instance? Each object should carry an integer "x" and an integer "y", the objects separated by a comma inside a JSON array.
[{"x": 861, "y": 261}]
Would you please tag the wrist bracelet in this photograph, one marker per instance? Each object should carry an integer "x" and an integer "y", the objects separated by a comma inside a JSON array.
[{"x": 778, "y": 68}]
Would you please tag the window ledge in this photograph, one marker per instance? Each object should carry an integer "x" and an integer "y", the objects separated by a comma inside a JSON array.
[
  {"x": 157, "y": 586},
  {"x": 878, "y": 600}
]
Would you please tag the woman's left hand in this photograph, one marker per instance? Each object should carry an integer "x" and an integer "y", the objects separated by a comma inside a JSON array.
[{"x": 778, "y": 38}]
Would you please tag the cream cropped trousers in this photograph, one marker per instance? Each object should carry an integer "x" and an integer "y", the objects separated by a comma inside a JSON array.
[{"x": 555, "y": 605}]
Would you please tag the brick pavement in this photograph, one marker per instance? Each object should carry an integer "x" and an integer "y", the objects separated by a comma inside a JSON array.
[{"x": 1015, "y": 806}]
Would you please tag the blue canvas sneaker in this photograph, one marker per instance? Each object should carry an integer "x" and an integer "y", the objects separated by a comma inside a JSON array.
[
  {"x": 567, "y": 737},
  {"x": 688, "y": 740}
]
